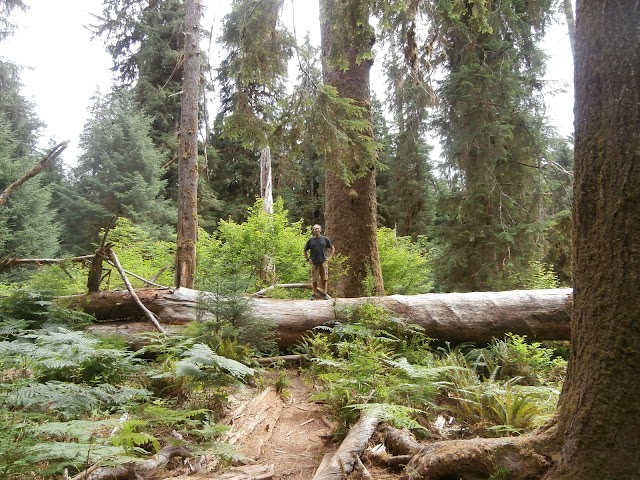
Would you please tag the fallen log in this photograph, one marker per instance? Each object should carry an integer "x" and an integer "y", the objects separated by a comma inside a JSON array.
[
  {"x": 455, "y": 317},
  {"x": 132, "y": 471},
  {"x": 343, "y": 461}
]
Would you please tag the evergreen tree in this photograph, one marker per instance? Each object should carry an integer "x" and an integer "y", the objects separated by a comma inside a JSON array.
[
  {"x": 117, "y": 175},
  {"x": 558, "y": 181},
  {"x": 298, "y": 167},
  {"x": 27, "y": 226},
  {"x": 351, "y": 159},
  {"x": 252, "y": 81},
  {"x": 18, "y": 111},
  {"x": 491, "y": 119},
  {"x": 6, "y": 7},
  {"x": 411, "y": 181}
]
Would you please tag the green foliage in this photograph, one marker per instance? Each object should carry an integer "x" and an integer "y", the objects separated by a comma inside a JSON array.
[
  {"x": 536, "y": 276},
  {"x": 16, "y": 443},
  {"x": 226, "y": 323},
  {"x": 357, "y": 363},
  {"x": 489, "y": 215},
  {"x": 533, "y": 363},
  {"x": 266, "y": 248},
  {"x": 27, "y": 228},
  {"x": 131, "y": 439},
  {"x": 119, "y": 174},
  {"x": 405, "y": 267},
  {"x": 139, "y": 252},
  {"x": 343, "y": 135},
  {"x": 255, "y": 69},
  {"x": 201, "y": 362},
  {"x": 497, "y": 404},
  {"x": 21, "y": 309}
]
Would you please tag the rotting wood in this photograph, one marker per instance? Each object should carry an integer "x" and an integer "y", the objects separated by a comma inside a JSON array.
[
  {"x": 523, "y": 457},
  {"x": 133, "y": 470},
  {"x": 343, "y": 460},
  {"x": 399, "y": 442},
  {"x": 455, "y": 317}
]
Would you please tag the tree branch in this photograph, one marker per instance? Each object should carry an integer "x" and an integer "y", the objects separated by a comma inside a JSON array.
[{"x": 53, "y": 154}]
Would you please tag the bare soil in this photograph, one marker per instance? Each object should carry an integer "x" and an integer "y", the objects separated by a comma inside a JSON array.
[{"x": 284, "y": 436}]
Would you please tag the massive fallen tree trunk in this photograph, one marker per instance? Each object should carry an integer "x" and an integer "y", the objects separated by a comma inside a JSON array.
[{"x": 455, "y": 317}]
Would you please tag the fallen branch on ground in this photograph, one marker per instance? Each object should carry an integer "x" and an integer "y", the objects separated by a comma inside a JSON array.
[{"x": 150, "y": 315}]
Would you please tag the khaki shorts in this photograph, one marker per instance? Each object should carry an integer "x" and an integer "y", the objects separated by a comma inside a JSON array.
[{"x": 320, "y": 272}]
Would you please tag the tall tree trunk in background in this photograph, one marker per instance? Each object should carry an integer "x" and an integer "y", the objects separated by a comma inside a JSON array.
[
  {"x": 350, "y": 209},
  {"x": 188, "y": 151},
  {"x": 599, "y": 409}
]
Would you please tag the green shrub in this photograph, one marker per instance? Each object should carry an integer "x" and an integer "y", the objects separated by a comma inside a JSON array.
[{"x": 405, "y": 266}]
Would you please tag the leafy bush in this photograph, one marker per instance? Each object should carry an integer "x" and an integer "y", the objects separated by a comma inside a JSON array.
[
  {"x": 140, "y": 253},
  {"x": 405, "y": 266},
  {"x": 267, "y": 247},
  {"x": 514, "y": 357}
]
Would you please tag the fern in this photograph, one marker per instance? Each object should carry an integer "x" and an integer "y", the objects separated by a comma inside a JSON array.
[
  {"x": 128, "y": 437},
  {"x": 81, "y": 431},
  {"x": 199, "y": 359},
  {"x": 75, "y": 453},
  {"x": 398, "y": 415},
  {"x": 70, "y": 400}
]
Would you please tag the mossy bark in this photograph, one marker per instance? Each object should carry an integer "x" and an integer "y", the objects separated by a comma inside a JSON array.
[
  {"x": 599, "y": 409},
  {"x": 350, "y": 209}
]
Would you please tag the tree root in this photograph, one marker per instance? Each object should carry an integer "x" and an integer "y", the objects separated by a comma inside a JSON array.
[
  {"x": 346, "y": 457},
  {"x": 519, "y": 458}
]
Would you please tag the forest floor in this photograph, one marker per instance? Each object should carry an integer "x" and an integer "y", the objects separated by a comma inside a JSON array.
[{"x": 283, "y": 437}]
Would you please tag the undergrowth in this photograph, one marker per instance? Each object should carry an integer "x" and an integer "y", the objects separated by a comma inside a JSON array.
[
  {"x": 372, "y": 360},
  {"x": 70, "y": 399}
]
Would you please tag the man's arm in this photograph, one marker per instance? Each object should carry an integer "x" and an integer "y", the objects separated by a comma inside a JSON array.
[{"x": 306, "y": 251}]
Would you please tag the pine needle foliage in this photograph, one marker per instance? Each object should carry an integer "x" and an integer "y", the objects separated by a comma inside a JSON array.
[{"x": 491, "y": 120}]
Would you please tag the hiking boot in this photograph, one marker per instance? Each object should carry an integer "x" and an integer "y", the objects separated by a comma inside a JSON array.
[
  {"x": 326, "y": 297},
  {"x": 313, "y": 297}
]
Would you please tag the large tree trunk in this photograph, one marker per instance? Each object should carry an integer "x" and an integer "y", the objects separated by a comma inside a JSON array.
[
  {"x": 455, "y": 317},
  {"x": 188, "y": 151},
  {"x": 350, "y": 208},
  {"x": 599, "y": 409}
]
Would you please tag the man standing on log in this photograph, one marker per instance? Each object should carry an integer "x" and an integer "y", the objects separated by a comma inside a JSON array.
[{"x": 318, "y": 250}]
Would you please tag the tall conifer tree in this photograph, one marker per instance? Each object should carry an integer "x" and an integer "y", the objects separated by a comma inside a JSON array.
[{"x": 491, "y": 119}]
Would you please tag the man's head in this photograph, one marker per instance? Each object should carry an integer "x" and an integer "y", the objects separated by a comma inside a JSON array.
[{"x": 316, "y": 230}]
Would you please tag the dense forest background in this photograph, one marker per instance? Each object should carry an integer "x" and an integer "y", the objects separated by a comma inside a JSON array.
[{"x": 491, "y": 212}]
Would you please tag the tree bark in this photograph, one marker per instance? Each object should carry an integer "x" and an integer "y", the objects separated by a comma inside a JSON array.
[
  {"x": 599, "y": 411},
  {"x": 455, "y": 317},
  {"x": 188, "y": 151},
  {"x": 350, "y": 209}
]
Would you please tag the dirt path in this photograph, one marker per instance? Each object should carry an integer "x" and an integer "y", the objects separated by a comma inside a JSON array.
[
  {"x": 284, "y": 431},
  {"x": 283, "y": 437}
]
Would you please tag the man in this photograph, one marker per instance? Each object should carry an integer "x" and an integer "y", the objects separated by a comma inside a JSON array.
[{"x": 318, "y": 250}]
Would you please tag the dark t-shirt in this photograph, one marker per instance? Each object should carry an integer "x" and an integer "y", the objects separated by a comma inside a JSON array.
[{"x": 318, "y": 248}]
